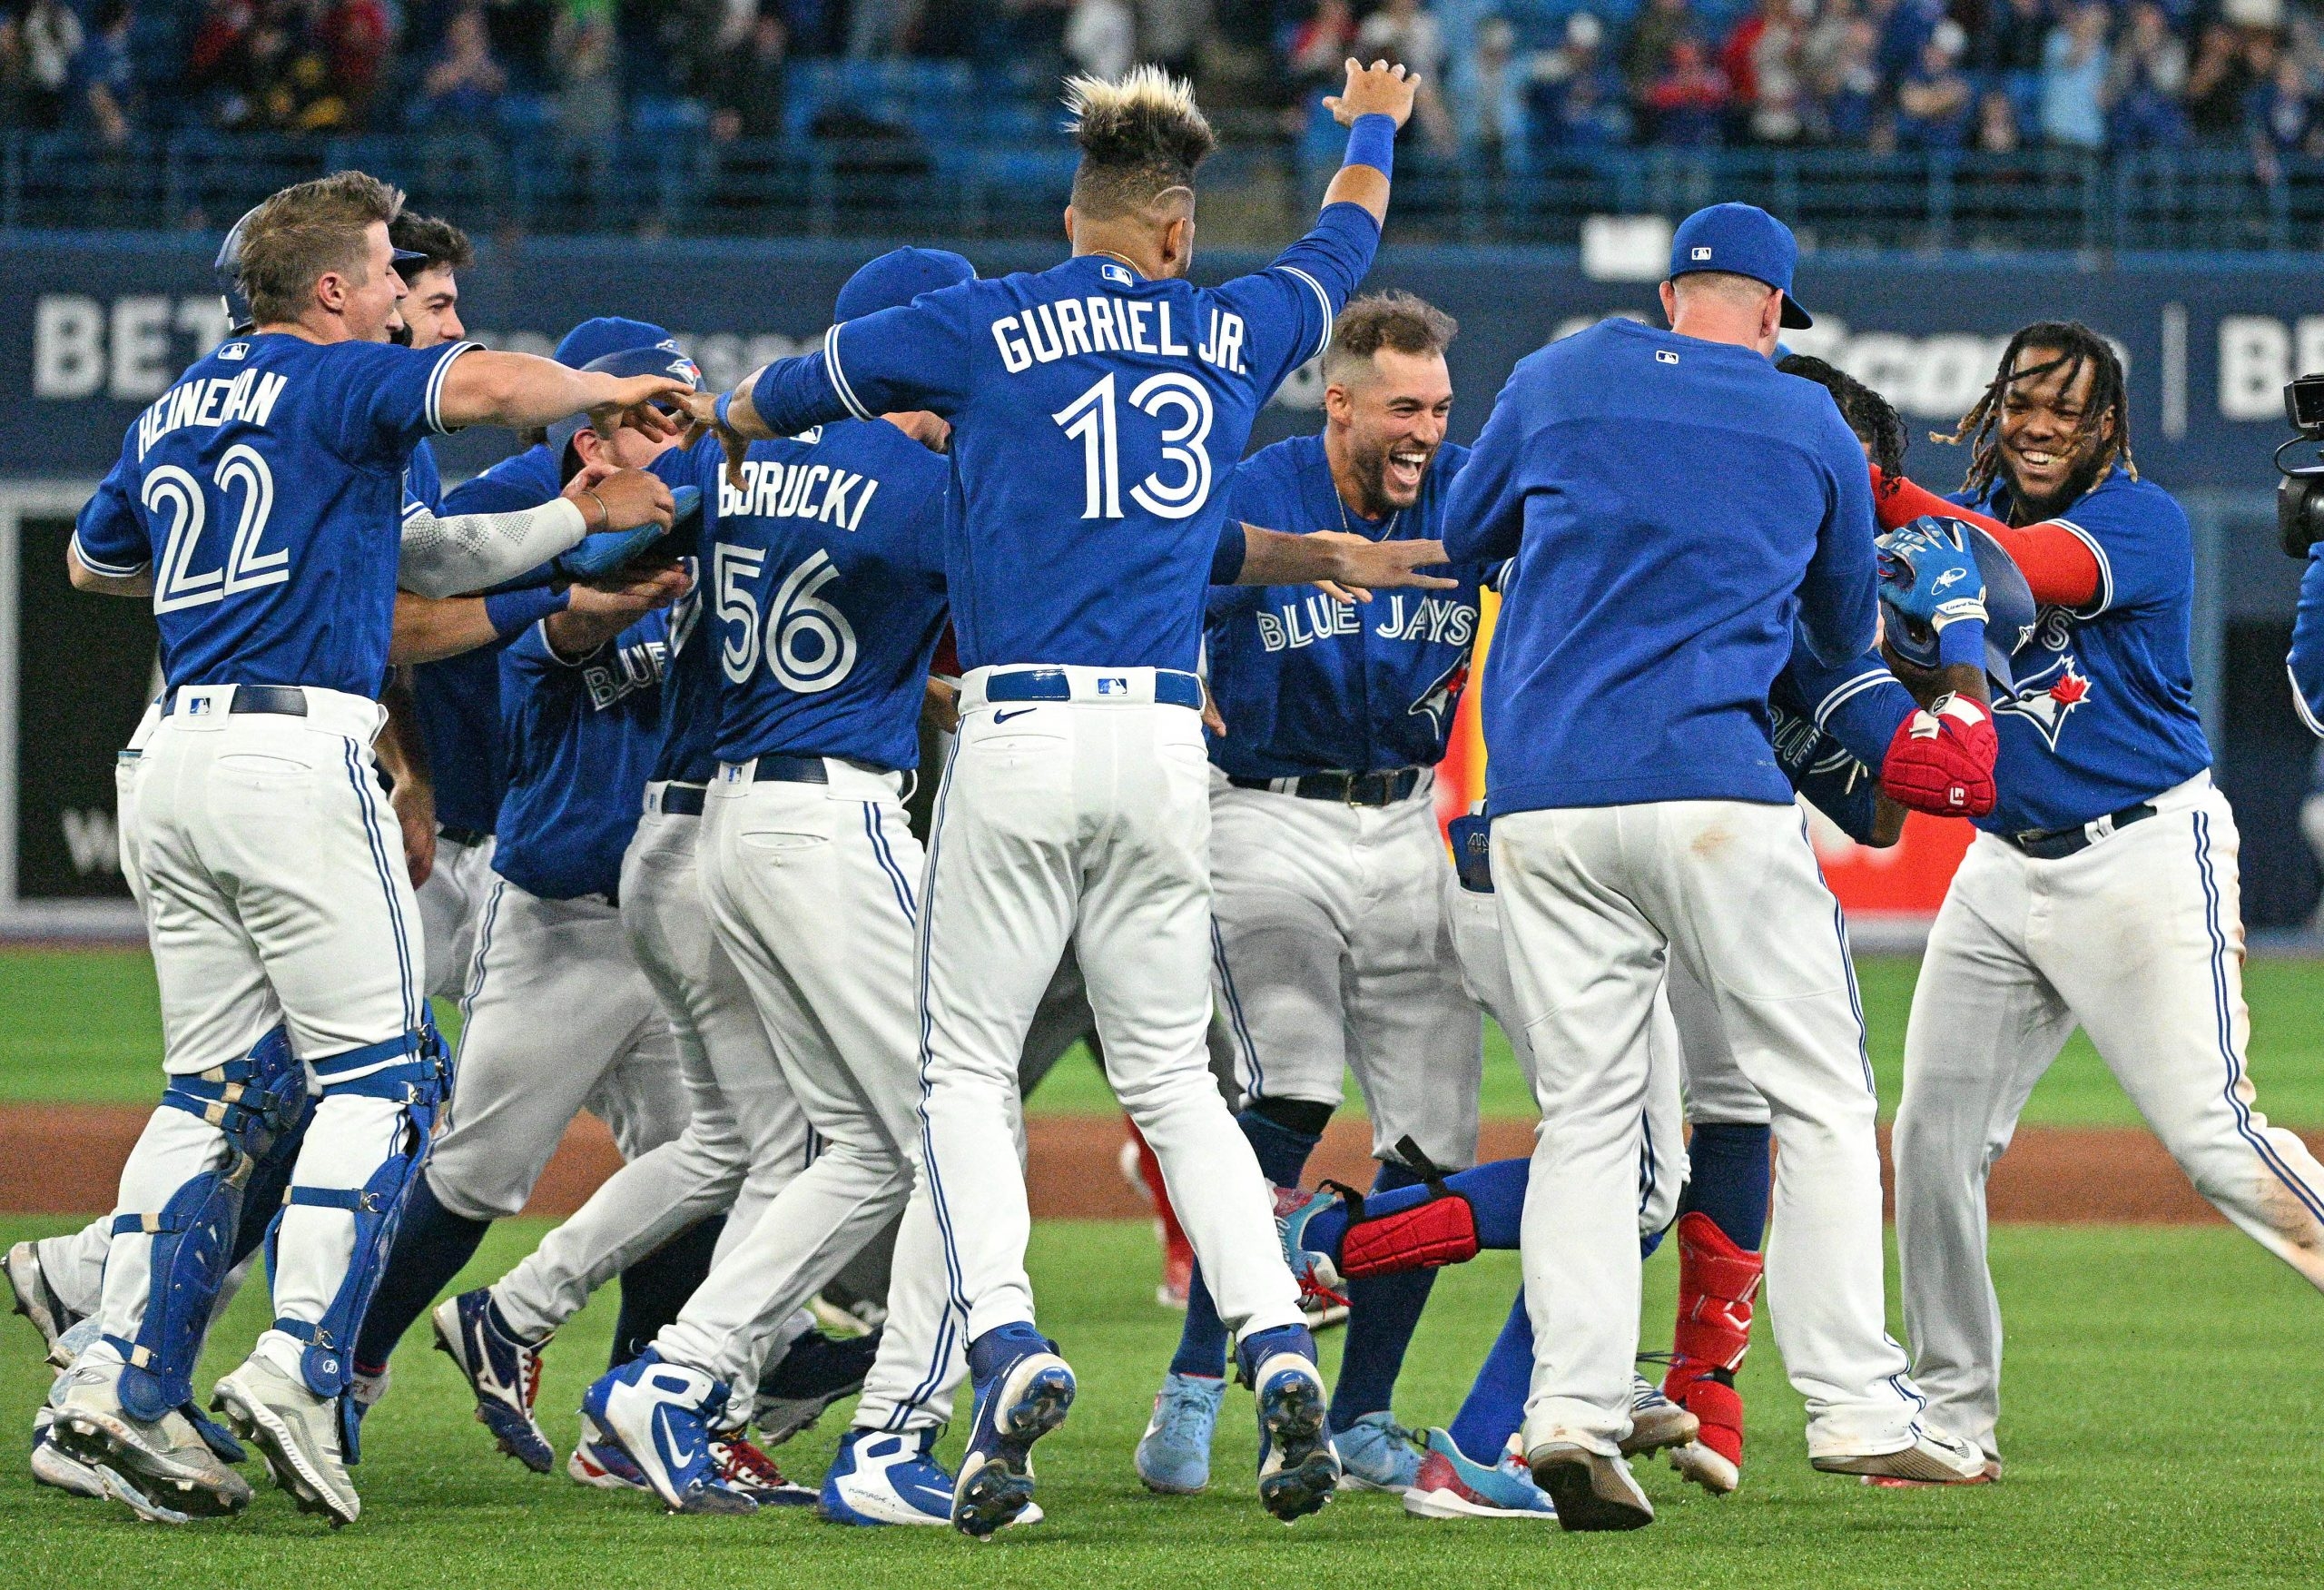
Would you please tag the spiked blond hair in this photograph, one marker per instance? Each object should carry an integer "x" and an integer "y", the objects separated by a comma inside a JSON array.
[{"x": 1140, "y": 136}]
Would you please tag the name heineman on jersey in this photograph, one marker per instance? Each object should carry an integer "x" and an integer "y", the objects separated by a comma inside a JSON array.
[
  {"x": 248, "y": 397},
  {"x": 1304, "y": 620},
  {"x": 1103, "y": 323}
]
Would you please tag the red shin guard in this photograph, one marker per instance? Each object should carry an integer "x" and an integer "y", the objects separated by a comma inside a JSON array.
[
  {"x": 1717, "y": 1281},
  {"x": 1441, "y": 1231}
]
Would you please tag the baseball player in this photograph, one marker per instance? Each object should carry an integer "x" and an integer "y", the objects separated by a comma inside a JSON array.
[
  {"x": 1089, "y": 404},
  {"x": 2100, "y": 892},
  {"x": 252, "y": 503},
  {"x": 1639, "y": 818},
  {"x": 1330, "y": 948}
]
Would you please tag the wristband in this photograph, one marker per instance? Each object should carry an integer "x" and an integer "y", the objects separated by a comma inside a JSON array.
[
  {"x": 1372, "y": 142},
  {"x": 718, "y": 410},
  {"x": 1961, "y": 644},
  {"x": 511, "y": 612}
]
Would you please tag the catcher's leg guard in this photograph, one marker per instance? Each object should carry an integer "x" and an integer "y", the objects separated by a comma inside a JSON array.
[
  {"x": 1440, "y": 1231},
  {"x": 254, "y": 1102},
  {"x": 1717, "y": 1281},
  {"x": 416, "y": 1074}
]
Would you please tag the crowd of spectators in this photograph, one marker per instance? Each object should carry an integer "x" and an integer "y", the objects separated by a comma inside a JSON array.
[{"x": 1513, "y": 82}]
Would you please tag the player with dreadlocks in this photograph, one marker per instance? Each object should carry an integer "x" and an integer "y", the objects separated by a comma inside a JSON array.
[{"x": 2102, "y": 889}]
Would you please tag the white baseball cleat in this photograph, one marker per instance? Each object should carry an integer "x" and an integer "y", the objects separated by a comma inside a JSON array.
[
  {"x": 164, "y": 1463},
  {"x": 1590, "y": 1490},
  {"x": 1934, "y": 1458},
  {"x": 296, "y": 1431},
  {"x": 1657, "y": 1423},
  {"x": 1695, "y": 1461},
  {"x": 30, "y": 1295}
]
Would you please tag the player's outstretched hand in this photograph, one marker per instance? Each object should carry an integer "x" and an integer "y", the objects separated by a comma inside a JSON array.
[
  {"x": 1378, "y": 89},
  {"x": 1929, "y": 575},
  {"x": 701, "y": 409},
  {"x": 632, "y": 497},
  {"x": 632, "y": 595},
  {"x": 1361, "y": 567},
  {"x": 653, "y": 404}
]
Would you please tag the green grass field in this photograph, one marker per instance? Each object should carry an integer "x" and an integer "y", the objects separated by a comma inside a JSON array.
[
  {"x": 83, "y": 1026},
  {"x": 2163, "y": 1430}
]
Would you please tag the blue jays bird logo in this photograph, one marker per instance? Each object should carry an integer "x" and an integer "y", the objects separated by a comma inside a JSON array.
[
  {"x": 1442, "y": 698},
  {"x": 2047, "y": 698}
]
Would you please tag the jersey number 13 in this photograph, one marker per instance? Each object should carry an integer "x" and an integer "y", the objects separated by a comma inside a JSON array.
[{"x": 1184, "y": 403}]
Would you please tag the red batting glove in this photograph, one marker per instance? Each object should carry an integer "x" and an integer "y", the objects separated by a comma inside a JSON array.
[{"x": 1942, "y": 759}]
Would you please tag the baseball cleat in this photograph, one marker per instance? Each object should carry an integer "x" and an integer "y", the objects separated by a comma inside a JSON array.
[
  {"x": 30, "y": 1295},
  {"x": 165, "y": 1462},
  {"x": 817, "y": 1371},
  {"x": 752, "y": 1473},
  {"x": 600, "y": 1463},
  {"x": 881, "y": 1477},
  {"x": 1451, "y": 1485},
  {"x": 1174, "y": 1454},
  {"x": 1322, "y": 1310},
  {"x": 1295, "y": 1210},
  {"x": 1933, "y": 1458},
  {"x": 503, "y": 1373},
  {"x": 1707, "y": 1466},
  {"x": 1657, "y": 1423},
  {"x": 1023, "y": 1391},
  {"x": 1590, "y": 1490},
  {"x": 1376, "y": 1453},
  {"x": 1298, "y": 1470},
  {"x": 296, "y": 1431},
  {"x": 57, "y": 1468},
  {"x": 658, "y": 1416}
]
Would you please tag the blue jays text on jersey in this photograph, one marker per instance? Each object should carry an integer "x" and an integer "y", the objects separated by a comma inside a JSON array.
[
  {"x": 1676, "y": 507},
  {"x": 2103, "y": 713},
  {"x": 581, "y": 737},
  {"x": 457, "y": 698},
  {"x": 263, "y": 490},
  {"x": 826, "y": 585},
  {"x": 1308, "y": 684},
  {"x": 1095, "y": 417}
]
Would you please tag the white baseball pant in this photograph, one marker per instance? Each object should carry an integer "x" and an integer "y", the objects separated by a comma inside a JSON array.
[
  {"x": 1331, "y": 952},
  {"x": 745, "y": 1137},
  {"x": 1596, "y": 903},
  {"x": 276, "y": 893},
  {"x": 2138, "y": 940},
  {"x": 1083, "y": 820},
  {"x": 557, "y": 1018},
  {"x": 810, "y": 887},
  {"x": 450, "y": 901}
]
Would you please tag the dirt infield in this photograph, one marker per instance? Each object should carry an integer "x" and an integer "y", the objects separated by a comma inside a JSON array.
[{"x": 64, "y": 1160}]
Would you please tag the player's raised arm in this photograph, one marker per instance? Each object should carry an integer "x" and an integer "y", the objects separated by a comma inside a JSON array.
[
  {"x": 524, "y": 393},
  {"x": 1356, "y": 564},
  {"x": 1377, "y": 90}
]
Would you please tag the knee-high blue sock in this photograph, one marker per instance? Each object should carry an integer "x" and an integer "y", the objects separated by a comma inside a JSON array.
[
  {"x": 1495, "y": 1406},
  {"x": 1384, "y": 1310},
  {"x": 1283, "y": 1151},
  {"x": 656, "y": 1287},
  {"x": 1729, "y": 1180},
  {"x": 1496, "y": 1191},
  {"x": 432, "y": 1245}
]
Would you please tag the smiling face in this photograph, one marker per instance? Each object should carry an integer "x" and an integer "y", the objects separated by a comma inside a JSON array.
[
  {"x": 432, "y": 308},
  {"x": 366, "y": 305},
  {"x": 1389, "y": 421},
  {"x": 2049, "y": 454}
]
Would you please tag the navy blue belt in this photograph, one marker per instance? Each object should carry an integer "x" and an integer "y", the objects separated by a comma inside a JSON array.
[
  {"x": 682, "y": 800},
  {"x": 471, "y": 837},
  {"x": 288, "y": 700},
  {"x": 1355, "y": 789},
  {"x": 781, "y": 767},
  {"x": 1171, "y": 687},
  {"x": 2057, "y": 843}
]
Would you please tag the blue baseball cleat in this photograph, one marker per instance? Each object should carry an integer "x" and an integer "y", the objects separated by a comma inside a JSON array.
[
  {"x": 1023, "y": 1390},
  {"x": 881, "y": 1477},
  {"x": 1376, "y": 1453},
  {"x": 660, "y": 1415},
  {"x": 1317, "y": 1275},
  {"x": 503, "y": 1373},
  {"x": 1298, "y": 1470},
  {"x": 1174, "y": 1454},
  {"x": 1453, "y": 1485}
]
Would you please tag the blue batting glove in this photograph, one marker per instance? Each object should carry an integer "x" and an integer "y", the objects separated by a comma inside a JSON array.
[{"x": 1928, "y": 575}]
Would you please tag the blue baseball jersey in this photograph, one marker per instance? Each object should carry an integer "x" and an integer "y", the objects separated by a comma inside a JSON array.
[
  {"x": 582, "y": 736},
  {"x": 2103, "y": 713},
  {"x": 1675, "y": 508},
  {"x": 1831, "y": 727},
  {"x": 457, "y": 698},
  {"x": 1308, "y": 684},
  {"x": 688, "y": 751},
  {"x": 1096, "y": 417},
  {"x": 263, "y": 490},
  {"x": 2306, "y": 662},
  {"x": 827, "y": 584},
  {"x": 423, "y": 482}
]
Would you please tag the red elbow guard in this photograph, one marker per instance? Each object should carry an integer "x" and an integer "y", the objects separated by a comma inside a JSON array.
[{"x": 1942, "y": 759}]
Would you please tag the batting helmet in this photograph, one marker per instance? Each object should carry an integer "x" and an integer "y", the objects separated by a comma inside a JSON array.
[
  {"x": 2010, "y": 608},
  {"x": 662, "y": 359}
]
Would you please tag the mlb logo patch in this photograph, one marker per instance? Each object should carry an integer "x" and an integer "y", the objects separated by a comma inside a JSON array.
[
  {"x": 1118, "y": 274},
  {"x": 1664, "y": 356},
  {"x": 235, "y": 351},
  {"x": 201, "y": 707},
  {"x": 1701, "y": 253},
  {"x": 1110, "y": 686}
]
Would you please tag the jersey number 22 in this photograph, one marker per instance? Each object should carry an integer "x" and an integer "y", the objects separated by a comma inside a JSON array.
[{"x": 175, "y": 492}]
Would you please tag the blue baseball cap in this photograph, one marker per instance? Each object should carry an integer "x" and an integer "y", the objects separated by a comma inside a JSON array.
[
  {"x": 592, "y": 339},
  {"x": 662, "y": 359},
  {"x": 896, "y": 278},
  {"x": 1746, "y": 241}
]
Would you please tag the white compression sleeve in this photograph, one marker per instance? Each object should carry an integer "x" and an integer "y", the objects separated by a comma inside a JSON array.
[{"x": 472, "y": 552}]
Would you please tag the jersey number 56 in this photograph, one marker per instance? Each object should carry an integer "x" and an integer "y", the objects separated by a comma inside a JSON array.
[{"x": 809, "y": 643}]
